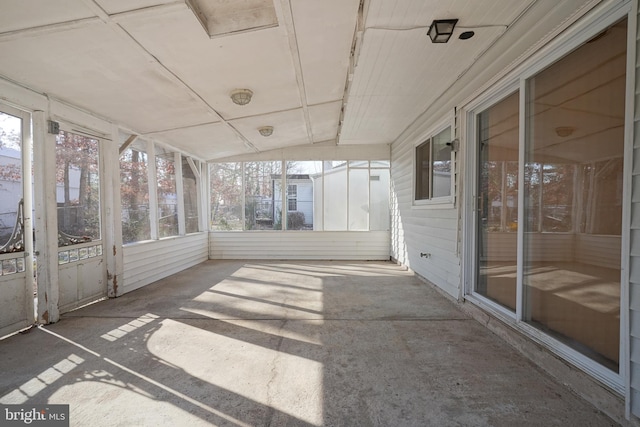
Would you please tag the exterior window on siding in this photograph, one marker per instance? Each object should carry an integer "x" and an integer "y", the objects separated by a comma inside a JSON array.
[
  {"x": 433, "y": 174},
  {"x": 226, "y": 196},
  {"x": 262, "y": 210},
  {"x": 292, "y": 197},
  {"x": 134, "y": 193},
  {"x": 78, "y": 189},
  {"x": 167, "y": 194},
  {"x": 190, "y": 195}
]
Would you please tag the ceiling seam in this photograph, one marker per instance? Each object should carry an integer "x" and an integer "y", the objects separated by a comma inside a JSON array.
[
  {"x": 50, "y": 28},
  {"x": 287, "y": 14},
  {"x": 117, "y": 28}
]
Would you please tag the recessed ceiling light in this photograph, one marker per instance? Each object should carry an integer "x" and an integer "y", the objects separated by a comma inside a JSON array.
[{"x": 466, "y": 35}]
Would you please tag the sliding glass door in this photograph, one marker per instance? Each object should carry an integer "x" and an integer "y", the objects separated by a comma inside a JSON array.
[
  {"x": 573, "y": 191},
  {"x": 497, "y": 202},
  {"x": 547, "y": 230}
]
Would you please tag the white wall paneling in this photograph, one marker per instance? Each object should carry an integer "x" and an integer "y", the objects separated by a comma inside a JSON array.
[
  {"x": 147, "y": 262},
  {"x": 316, "y": 245}
]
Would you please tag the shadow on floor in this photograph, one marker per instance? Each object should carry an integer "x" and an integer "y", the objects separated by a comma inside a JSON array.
[{"x": 283, "y": 344}]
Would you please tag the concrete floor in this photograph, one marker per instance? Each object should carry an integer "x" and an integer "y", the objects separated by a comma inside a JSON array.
[{"x": 283, "y": 344}]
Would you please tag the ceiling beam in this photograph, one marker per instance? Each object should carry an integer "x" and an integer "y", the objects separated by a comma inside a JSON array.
[{"x": 127, "y": 143}]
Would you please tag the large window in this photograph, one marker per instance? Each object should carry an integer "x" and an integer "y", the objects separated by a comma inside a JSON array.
[
  {"x": 167, "y": 193},
  {"x": 78, "y": 188},
  {"x": 379, "y": 195},
  {"x": 190, "y": 195},
  {"x": 557, "y": 234},
  {"x": 263, "y": 209},
  {"x": 433, "y": 170},
  {"x": 302, "y": 191},
  {"x": 134, "y": 193},
  {"x": 318, "y": 195},
  {"x": 226, "y": 196},
  {"x": 159, "y": 192},
  {"x": 11, "y": 188},
  {"x": 335, "y": 185}
]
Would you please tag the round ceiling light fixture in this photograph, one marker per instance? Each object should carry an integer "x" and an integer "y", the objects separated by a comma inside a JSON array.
[
  {"x": 565, "y": 131},
  {"x": 241, "y": 96},
  {"x": 266, "y": 130}
]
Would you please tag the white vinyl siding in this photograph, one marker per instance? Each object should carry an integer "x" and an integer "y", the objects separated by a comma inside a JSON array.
[
  {"x": 429, "y": 230},
  {"x": 319, "y": 245},
  {"x": 147, "y": 262}
]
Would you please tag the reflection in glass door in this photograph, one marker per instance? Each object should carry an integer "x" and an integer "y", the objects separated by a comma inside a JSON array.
[
  {"x": 573, "y": 192},
  {"x": 497, "y": 199}
]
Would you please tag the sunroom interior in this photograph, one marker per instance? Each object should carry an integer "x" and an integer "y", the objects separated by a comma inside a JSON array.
[{"x": 161, "y": 134}]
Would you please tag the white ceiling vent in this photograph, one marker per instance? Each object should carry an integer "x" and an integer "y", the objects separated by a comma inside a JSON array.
[{"x": 225, "y": 17}]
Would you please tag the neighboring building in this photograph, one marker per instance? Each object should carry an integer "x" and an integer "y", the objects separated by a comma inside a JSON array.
[{"x": 298, "y": 202}]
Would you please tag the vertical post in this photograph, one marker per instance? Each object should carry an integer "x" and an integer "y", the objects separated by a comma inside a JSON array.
[
  {"x": 284, "y": 196},
  {"x": 111, "y": 211},
  {"x": 153, "y": 189},
  {"x": 46, "y": 219},
  {"x": 198, "y": 172},
  {"x": 182, "y": 219},
  {"x": 205, "y": 197},
  {"x": 244, "y": 195},
  {"x": 27, "y": 212}
]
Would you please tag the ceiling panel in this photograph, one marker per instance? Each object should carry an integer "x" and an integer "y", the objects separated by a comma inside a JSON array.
[
  {"x": 94, "y": 68},
  {"x": 21, "y": 14},
  {"x": 324, "y": 32},
  {"x": 400, "y": 73},
  {"x": 324, "y": 120},
  {"x": 207, "y": 142},
  {"x": 259, "y": 61},
  {"x": 118, "y": 6},
  {"x": 288, "y": 129}
]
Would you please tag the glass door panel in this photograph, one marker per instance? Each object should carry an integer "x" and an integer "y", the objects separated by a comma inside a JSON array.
[
  {"x": 573, "y": 197},
  {"x": 81, "y": 270},
  {"x": 497, "y": 202},
  {"x": 17, "y": 284}
]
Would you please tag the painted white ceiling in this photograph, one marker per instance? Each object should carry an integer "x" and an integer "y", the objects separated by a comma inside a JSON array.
[{"x": 150, "y": 65}]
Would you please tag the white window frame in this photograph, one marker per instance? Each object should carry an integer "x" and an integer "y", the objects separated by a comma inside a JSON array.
[{"x": 442, "y": 202}]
